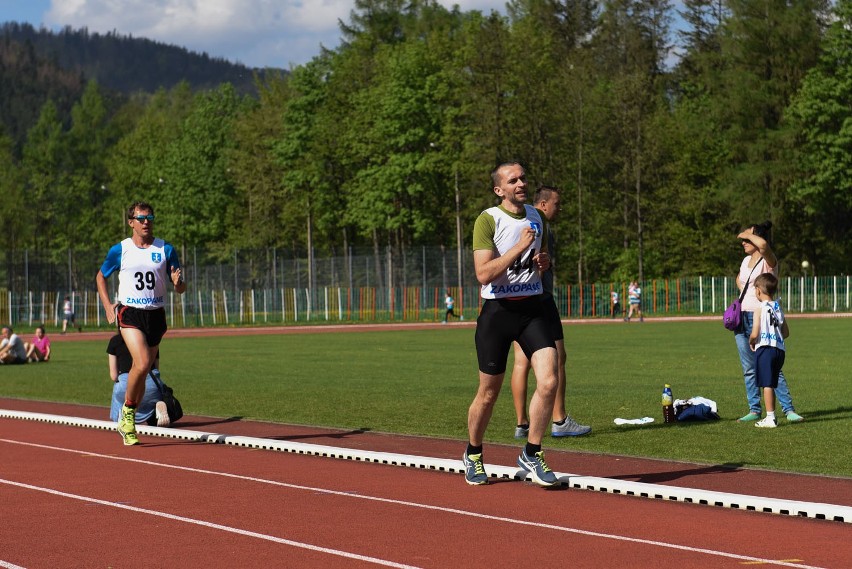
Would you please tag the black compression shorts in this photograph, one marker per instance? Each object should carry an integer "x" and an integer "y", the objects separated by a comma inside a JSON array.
[
  {"x": 552, "y": 315},
  {"x": 502, "y": 322}
]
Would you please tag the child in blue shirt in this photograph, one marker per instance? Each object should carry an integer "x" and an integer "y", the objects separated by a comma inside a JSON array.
[{"x": 767, "y": 340}]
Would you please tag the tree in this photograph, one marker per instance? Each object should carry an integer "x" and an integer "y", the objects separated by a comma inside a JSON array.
[
  {"x": 255, "y": 214},
  {"x": 45, "y": 175},
  {"x": 821, "y": 114},
  {"x": 194, "y": 189},
  {"x": 15, "y": 210},
  {"x": 767, "y": 46},
  {"x": 136, "y": 163}
]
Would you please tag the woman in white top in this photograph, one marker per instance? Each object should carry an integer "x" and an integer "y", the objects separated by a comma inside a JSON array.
[{"x": 759, "y": 259}]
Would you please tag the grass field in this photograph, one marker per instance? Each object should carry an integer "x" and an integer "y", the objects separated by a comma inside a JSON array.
[{"x": 422, "y": 382}]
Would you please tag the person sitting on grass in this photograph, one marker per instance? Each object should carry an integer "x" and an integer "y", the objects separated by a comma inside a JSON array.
[
  {"x": 12, "y": 348},
  {"x": 39, "y": 349},
  {"x": 151, "y": 409}
]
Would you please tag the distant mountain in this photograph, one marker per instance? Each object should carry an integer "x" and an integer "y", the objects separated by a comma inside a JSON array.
[
  {"x": 127, "y": 64},
  {"x": 27, "y": 81}
]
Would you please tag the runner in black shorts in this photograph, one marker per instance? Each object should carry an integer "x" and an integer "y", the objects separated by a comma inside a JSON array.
[
  {"x": 145, "y": 265},
  {"x": 508, "y": 256},
  {"x": 547, "y": 200}
]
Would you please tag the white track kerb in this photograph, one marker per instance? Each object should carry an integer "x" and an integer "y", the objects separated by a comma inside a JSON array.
[{"x": 814, "y": 510}]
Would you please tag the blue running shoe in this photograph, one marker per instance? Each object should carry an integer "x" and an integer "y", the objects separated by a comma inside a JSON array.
[
  {"x": 474, "y": 470},
  {"x": 522, "y": 432},
  {"x": 537, "y": 467}
]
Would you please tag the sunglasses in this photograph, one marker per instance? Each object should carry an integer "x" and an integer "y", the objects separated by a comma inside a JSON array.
[{"x": 141, "y": 218}]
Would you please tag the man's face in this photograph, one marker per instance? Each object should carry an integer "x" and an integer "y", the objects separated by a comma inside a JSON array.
[
  {"x": 142, "y": 227},
  {"x": 513, "y": 184},
  {"x": 551, "y": 207},
  {"x": 7, "y": 333}
]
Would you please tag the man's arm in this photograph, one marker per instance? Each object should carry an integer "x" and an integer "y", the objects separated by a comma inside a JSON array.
[
  {"x": 103, "y": 293},
  {"x": 113, "y": 367}
]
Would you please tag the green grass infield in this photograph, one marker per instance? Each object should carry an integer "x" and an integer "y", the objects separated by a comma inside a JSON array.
[{"x": 421, "y": 382}]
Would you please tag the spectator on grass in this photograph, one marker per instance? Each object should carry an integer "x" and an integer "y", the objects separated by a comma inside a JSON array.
[
  {"x": 38, "y": 350},
  {"x": 12, "y": 348},
  {"x": 759, "y": 259},
  {"x": 151, "y": 409},
  {"x": 509, "y": 253},
  {"x": 547, "y": 201},
  {"x": 767, "y": 340}
]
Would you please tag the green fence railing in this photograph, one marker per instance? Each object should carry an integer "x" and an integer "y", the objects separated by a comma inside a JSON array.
[{"x": 223, "y": 307}]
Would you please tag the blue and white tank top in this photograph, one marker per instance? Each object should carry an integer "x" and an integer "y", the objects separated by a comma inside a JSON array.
[{"x": 142, "y": 272}]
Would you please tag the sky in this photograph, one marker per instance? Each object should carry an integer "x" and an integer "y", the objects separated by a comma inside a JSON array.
[{"x": 256, "y": 33}]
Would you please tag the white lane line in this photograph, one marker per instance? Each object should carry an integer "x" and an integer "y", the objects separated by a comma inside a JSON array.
[
  {"x": 687, "y": 495},
  {"x": 7, "y": 565},
  {"x": 442, "y": 509},
  {"x": 211, "y": 525}
]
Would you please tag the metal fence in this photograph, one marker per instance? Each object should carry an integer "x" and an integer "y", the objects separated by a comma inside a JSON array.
[
  {"x": 274, "y": 286},
  {"x": 327, "y": 304}
]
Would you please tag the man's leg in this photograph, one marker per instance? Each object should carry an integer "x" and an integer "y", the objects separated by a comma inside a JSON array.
[
  {"x": 541, "y": 404},
  {"x": 531, "y": 458},
  {"x": 141, "y": 353},
  {"x": 478, "y": 416},
  {"x": 520, "y": 377},
  {"x": 559, "y": 411},
  {"x": 479, "y": 413}
]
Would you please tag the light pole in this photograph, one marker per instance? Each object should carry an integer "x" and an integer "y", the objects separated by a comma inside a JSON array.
[{"x": 458, "y": 235}]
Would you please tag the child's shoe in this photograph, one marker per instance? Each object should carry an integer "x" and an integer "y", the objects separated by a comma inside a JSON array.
[{"x": 766, "y": 423}]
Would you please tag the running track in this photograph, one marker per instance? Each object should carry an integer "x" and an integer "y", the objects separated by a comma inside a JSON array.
[
  {"x": 212, "y": 505},
  {"x": 64, "y": 502}
]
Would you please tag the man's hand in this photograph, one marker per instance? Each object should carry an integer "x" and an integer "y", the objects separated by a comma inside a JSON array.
[
  {"x": 110, "y": 313},
  {"x": 542, "y": 261}
]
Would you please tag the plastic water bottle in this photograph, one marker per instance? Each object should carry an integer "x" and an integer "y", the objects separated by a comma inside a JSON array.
[{"x": 668, "y": 407}]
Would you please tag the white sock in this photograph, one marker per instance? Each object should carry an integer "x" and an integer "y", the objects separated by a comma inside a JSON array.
[{"x": 770, "y": 415}]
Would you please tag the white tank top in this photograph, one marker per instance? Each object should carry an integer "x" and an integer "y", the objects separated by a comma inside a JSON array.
[
  {"x": 522, "y": 278},
  {"x": 143, "y": 275}
]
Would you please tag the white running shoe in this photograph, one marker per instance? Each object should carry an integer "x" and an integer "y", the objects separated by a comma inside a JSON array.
[
  {"x": 766, "y": 423},
  {"x": 162, "y": 414}
]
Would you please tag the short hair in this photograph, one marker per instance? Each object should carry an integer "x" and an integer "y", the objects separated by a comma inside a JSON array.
[
  {"x": 543, "y": 193},
  {"x": 496, "y": 178},
  {"x": 767, "y": 283},
  {"x": 139, "y": 205}
]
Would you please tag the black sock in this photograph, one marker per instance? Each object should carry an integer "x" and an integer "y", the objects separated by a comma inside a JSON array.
[
  {"x": 531, "y": 449},
  {"x": 525, "y": 426},
  {"x": 473, "y": 450},
  {"x": 562, "y": 422}
]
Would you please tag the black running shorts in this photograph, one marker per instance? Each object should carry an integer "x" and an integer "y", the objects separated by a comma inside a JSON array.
[
  {"x": 152, "y": 323},
  {"x": 552, "y": 315},
  {"x": 502, "y": 322}
]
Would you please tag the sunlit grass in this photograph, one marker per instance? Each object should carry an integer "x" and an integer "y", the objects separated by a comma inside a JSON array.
[{"x": 422, "y": 382}]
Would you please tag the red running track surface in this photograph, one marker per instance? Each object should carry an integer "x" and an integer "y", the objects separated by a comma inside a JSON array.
[{"x": 74, "y": 497}]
